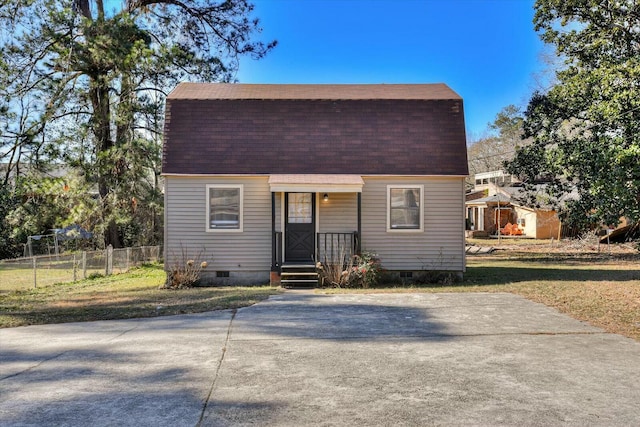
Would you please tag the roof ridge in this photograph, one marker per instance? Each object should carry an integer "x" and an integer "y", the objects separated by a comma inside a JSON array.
[{"x": 314, "y": 91}]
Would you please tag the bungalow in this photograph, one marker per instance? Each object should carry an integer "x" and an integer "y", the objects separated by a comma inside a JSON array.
[
  {"x": 497, "y": 205},
  {"x": 263, "y": 178}
]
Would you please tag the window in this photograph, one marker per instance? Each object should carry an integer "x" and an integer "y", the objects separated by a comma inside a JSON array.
[
  {"x": 404, "y": 208},
  {"x": 300, "y": 207},
  {"x": 224, "y": 207}
]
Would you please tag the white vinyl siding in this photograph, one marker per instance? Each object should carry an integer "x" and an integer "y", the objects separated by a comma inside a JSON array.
[
  {"x": 440, "y": 245},
  {"x": 186, "y": 224},
  {"x": 279, "y": 217},
  {"x": 339, "y": 214}
]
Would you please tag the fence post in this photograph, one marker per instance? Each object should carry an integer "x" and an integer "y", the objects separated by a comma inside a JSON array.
[
  {"x": 35, "y": 281},
  {"x": 128, "y": 258},
  {"x": 84, "y": 264},
  {"x": 108, "y": 260},
  {"x": 75, "y": 268}
]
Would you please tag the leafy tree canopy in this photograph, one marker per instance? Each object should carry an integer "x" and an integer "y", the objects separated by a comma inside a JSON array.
[
  {"x": 84, "y": 85},
  {"x": 586, "y": 128}
]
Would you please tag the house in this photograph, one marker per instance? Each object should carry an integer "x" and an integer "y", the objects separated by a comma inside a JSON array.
[
  {"x": 484, "y": 180},
  {"x": 262, "y": 178},
  {"x": 495, "y": 203}
]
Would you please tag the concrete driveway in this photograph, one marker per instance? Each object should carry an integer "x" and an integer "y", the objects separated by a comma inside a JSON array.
[{"x": 305, "y": 359}]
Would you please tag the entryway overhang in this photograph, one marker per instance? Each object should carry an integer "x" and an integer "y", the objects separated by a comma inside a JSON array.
[{"x": 315, "y": 183}]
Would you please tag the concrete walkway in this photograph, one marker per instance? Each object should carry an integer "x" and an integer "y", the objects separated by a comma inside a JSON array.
[{"x": 305, "y": 359}]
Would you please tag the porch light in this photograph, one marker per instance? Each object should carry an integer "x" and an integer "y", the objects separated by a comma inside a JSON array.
[{"x": 325, "y": 197}]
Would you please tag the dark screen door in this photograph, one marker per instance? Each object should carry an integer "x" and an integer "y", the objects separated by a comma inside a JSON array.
[{"x": 300, "y": 227}]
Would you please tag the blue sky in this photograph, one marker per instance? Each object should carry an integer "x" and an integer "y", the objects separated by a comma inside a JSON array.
[{"x": 485, "y": 50}]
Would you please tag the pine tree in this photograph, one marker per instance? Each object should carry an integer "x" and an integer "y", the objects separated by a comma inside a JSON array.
[{"x": 94, "y": 81}]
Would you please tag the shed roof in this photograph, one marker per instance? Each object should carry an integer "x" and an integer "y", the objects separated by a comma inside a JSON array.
[
  {"x": 237, "y": 129},
  {"x": 495, "y": 198}
]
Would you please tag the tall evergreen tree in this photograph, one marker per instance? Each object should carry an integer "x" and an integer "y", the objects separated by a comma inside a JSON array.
[{"x": 95, "y": 78}]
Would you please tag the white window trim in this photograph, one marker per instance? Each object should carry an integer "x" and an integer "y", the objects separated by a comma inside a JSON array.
[
  {"x": 405, "y": 230},
  {"x": 208, "y": 228}
]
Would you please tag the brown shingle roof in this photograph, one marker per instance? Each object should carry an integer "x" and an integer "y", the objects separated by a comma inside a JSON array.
[
  {"x": 314, "y": 129},
  {"x": 312, "y": 91}
]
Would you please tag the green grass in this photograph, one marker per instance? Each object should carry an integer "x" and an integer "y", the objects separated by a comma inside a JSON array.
[
  {"x": 122, "y": 296},
  {"x": 15, "y": 276}
]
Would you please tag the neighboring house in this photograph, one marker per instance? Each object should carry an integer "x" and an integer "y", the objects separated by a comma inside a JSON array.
[
  {"x": 260, "y": 178},
  {"x": 491, "y": 206},
  {"x": 484, "y": 180},
  {"x": 483, "y": 213}
]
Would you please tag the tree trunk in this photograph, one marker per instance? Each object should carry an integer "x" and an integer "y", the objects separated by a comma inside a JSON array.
[
  {"x": 99, "y": 93},
  {"x": 101, "y": 124}
]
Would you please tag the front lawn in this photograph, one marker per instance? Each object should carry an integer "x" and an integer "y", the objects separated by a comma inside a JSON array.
[
  {"x": 600, "y": 288},
  {"x": 121, "y": 296}
]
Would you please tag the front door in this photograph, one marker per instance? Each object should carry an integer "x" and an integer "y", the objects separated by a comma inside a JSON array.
[{"x": 300, "y": 227}]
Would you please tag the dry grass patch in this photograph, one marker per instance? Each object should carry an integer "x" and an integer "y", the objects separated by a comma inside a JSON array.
[
  {"x": 613, "y": 306},
  {"x": 603, "y": 290}
]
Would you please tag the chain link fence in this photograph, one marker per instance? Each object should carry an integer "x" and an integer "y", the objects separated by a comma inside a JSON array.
[{"x": 38, "y": 271}]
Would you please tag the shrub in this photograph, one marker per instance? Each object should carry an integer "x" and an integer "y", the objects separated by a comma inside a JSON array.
[
  {"x": 358, "y": 271},
  {"x": 336, "y": 270},
  {"x": 185, "y": 272},
  {"x": 366, "y": 271}
]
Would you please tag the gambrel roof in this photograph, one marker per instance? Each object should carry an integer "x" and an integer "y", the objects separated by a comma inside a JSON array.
[{"x": 249, "y": 129}]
